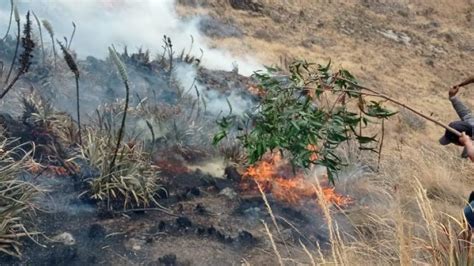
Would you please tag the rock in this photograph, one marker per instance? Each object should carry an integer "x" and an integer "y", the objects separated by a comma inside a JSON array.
[
  {"x": 231, "y": 173},
  {"x": 65, "y": 238},
  {"x": 229, "y": 193},
  {"x": 161, "y": 226},
  {"x": 399, "y": 37},
  {"x": 200, "y": 209},
  {"x": 195, "y": 191},
  {"x": 211, "y": 230},
  {"x": 245, "y": 237},
  {"x": 183, "y": 222},
  {"x": 168, "y": 260}
]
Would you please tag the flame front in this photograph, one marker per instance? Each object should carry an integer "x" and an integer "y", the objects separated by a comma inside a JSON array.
[{"x": 275, "y": 175}]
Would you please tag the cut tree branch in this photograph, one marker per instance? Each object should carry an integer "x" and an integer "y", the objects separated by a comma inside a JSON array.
[{"x": 390, "y": 99}]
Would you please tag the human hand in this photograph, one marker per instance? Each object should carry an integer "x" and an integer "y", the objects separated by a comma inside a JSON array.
[
  {"x": 465, "y": 140},
  {"x": 453, "y": 91}
]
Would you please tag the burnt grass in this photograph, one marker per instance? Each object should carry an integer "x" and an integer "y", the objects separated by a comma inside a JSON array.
[
  {"x": 202, "y": 220},
  {"x": 203, "y": 223}
]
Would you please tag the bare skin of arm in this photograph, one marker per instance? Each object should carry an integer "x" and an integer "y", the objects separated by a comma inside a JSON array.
[
  {"x": 455, "y": 89},
  {"x": 461, "y": 109},
  {"x": 467, "y": 142}
]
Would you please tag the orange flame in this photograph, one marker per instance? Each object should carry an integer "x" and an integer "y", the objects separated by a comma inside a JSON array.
[{"x": 274, "y": 175}]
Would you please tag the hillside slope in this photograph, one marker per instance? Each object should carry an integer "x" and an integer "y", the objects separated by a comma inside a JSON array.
[
  {"x": 411, "y": 50},
  {"x": 166, "y": 194}
]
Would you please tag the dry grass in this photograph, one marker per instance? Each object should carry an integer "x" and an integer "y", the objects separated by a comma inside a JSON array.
[
  {"x": 132, "y": 183},
  {"x": 41, "y": 116},
  {"x": 16, "y": 199},
  {"x": 409, "y": 211}
]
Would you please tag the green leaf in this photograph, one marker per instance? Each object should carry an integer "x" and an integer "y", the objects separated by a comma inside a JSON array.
[{"x": 218, "y": 137}]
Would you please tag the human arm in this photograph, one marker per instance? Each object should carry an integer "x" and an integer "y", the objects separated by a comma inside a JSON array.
[
  {"x": 467, "y": 143},
  {"x": 461, "y": 109}
]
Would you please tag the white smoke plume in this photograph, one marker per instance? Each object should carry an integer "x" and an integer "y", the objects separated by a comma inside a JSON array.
[
  {"x": 216, "y": 103},
  {"x": 134, "y": 23}
]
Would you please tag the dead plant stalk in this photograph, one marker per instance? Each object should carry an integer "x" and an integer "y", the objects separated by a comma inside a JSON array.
[
  {"x": 122, "y": 71},
  {"x": 17, "y": 19}
]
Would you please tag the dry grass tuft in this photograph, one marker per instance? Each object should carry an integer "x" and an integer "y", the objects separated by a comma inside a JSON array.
[
  {"x": 398, "y": 220},
  {"x": 133, "y": 182},
  {"x": 16, "y": 199}
]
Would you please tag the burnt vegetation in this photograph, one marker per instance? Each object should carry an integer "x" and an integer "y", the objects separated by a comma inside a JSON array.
[
  {"x": 123, "y": 159},
  {"x": 136, "y": 166}
]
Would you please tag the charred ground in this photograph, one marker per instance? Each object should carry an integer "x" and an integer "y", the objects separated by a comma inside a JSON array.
[{"x": 207, "y": 219}]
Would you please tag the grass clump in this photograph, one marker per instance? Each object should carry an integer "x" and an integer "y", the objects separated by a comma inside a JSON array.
[
  {"x": 126, "y": 177},
  {"x": 133, "y": 182},
  {"x": 47, "y": 129},
  {"x": 75, "y": 70},
  {"x": 16, "y": 199}
]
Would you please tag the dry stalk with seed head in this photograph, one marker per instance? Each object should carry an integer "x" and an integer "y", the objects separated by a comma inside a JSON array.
[
  {"x": 17, "y": 19},
  {"x": 168, "y": 48},
  {"x": 72, "y": 35},
  {"x": 38, "y": 23},
  {"x": 50, "y": 30},
  {"x": 25, "y": 57},
  {"x": 123, "y": 74},
  {"x": 74, "y": 69},
  {"x": 12, "y": 4}
]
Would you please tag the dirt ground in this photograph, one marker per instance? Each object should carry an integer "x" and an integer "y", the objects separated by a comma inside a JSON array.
[{"x": 412, "y": 50}]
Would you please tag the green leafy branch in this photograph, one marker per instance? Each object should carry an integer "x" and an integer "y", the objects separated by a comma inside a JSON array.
[{"x": 310, "y": 112}]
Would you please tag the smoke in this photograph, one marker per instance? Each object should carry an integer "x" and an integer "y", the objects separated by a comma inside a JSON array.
[
  {"x": 216, "y": 102},
  {"x": 135, "y": 24}
]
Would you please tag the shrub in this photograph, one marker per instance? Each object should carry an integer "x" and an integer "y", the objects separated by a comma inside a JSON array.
[{"x": 307, "y": 114}]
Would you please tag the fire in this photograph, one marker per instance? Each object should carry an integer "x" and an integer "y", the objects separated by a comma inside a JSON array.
[
  {"x": 36, "y": 168},
  {"x": 274, "y": 175}
]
